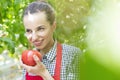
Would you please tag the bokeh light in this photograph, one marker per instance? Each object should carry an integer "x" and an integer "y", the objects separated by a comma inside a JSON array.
[{"x": 103, "y": 35}]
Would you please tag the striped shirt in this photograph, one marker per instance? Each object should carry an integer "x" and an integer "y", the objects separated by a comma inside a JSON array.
[{"x": 69, "y": 60}]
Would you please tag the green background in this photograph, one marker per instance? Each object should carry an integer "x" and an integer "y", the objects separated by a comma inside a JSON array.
[{"x": 72, "y": 17}]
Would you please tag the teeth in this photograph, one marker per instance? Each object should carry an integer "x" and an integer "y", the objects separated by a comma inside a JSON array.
[{"x": 37, "y": 43}]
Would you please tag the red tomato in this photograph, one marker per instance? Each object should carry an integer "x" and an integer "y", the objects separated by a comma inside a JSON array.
[{"x": 27, "y": 57}]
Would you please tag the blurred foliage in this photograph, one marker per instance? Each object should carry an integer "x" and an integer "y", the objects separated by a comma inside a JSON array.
[
  {"x": 11, "y": 27},
  {"x": 91, "y": 68}
]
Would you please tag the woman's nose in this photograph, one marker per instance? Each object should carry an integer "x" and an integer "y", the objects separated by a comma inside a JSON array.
[{"x": 34, "y": 37}]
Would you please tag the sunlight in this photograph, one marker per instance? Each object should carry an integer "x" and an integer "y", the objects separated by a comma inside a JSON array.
[{"x": 104, "y": 35}]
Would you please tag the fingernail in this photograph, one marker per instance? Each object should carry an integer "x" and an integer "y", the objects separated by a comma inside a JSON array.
[{"x": 35, "y": 57}]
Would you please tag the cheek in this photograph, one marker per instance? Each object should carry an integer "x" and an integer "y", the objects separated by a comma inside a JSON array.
[
  {"x": 29, "y": 37},
  {"x": 46, "y": 35}
]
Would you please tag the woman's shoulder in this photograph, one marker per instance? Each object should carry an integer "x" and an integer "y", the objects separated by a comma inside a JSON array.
[
  {"x": 71, "y": 48},
  {"x": 71, "y": 52}
]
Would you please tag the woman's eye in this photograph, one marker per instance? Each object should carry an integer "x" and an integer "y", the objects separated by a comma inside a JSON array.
[
  {"x": 28, "y": 31},
  {"x": 40, "y": 29}
]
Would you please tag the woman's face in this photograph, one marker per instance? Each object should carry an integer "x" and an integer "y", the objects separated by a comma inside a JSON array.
[{"x": 38, "y": 30}]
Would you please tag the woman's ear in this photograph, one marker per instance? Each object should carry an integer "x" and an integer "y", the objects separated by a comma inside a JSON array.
[{"x": 54, "y": 26}]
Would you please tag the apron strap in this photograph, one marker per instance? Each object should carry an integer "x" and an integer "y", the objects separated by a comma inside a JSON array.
[{"x": 58, "y": 62}]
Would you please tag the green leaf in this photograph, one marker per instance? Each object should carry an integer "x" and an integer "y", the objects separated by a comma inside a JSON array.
[{"x": 10, "y": 44}]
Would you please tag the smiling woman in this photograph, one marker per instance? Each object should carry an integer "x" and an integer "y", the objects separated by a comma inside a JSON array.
[
  {"x": 37, "y": 26},
  {"x": 40, "y": 24}
]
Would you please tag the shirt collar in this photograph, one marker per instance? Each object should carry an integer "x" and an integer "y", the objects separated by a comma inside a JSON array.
[{"x": 52, "y": 53}]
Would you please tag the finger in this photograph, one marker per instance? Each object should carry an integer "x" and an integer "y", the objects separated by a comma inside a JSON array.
[
  {"x": 37, "y": 60},
  {"x": 27, "y": 68},
  {"x": 24, "y": 65}
]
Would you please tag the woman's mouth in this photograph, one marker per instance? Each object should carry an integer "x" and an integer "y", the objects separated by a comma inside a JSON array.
[{"x": 37, "y": 43}]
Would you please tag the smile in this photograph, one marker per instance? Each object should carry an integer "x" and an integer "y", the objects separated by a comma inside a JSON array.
[{"x": 38, "y": 43}]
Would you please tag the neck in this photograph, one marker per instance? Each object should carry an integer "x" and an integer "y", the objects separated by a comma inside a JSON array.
[{"x": 48, "y": 47}]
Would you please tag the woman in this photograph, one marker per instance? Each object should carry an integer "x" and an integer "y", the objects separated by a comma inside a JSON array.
[{"x": 39, "y": 22}]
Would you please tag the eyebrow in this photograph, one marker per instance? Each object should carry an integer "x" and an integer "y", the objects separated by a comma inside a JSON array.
[{"x": 41, "y": 26}]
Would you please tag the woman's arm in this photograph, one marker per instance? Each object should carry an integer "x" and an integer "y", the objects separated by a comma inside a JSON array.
[{"x": 38, "y": 69}]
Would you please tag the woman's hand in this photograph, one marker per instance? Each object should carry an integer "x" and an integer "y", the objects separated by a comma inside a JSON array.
[{"x": 39, "y": 69}]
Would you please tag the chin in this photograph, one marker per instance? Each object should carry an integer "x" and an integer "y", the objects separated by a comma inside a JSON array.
[{"x": 39, "y": 47}]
